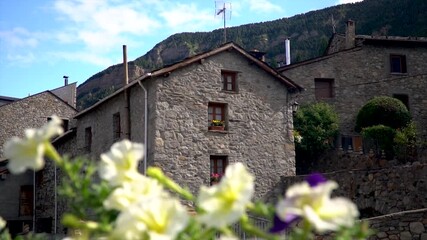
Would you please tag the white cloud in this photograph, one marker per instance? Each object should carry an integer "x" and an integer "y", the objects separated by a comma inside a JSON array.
[
  {"x": 18, "y": 59},
  {"x": 19, "y": 37},
  {"x": 86, "y": 57},
  {"x": 348, "y": 1},
  {"x": 185, "y": 17},
  {"x": 263, "y": 6}
]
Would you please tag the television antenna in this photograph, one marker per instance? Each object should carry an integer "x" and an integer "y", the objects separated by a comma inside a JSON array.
[{"x": 223, "y": 9}]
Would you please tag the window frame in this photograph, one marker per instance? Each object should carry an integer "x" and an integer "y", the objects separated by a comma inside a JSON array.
[
  {"x": 215, "y": 167},
  {"x": 116, "y": 126},
  {"x": 214, "y": 115},
  {"x": 26, "y": 195},
  {"x": 88, "y": 138},
  {"x": 402, "y": 64},
  {"x": 319, "y": 95},
  {"x": 225, "y": 82}
]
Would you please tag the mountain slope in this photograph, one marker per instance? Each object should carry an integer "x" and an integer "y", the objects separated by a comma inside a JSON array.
[{"x": 309, "y": 34}]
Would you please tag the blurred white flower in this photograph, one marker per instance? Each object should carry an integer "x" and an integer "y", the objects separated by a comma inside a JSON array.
[
  {"x": 159, "y": 218},
  {"x": 225, "y": 203},
  {"x": 27, "y": 153},
  {"x": 120, "y": 164},
  {"x": 131, "y": 192},
  {"x": 2, "y": 223},
  {"x": 314, "y": 204}
]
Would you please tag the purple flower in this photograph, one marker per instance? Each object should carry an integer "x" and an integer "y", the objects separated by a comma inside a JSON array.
[
  {"x": 315, "y": 179},
  {"x": 279, "y": 225}
]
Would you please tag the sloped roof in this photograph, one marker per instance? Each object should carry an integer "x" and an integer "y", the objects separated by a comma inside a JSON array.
[
  {"x": 291, "y": 86},
  {"x": 49, "y": 92},
  {"x": 361, "y": 40}
]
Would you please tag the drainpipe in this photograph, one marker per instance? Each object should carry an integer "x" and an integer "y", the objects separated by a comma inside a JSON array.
[
  {"x": 34, "y": 201},
  {"x": 126, "y": 93},
  {"x": 56, "y": 203},
  {"x": 145, "y": 122}
]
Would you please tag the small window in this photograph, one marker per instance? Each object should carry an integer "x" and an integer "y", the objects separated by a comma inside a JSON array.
[
  {"x": 116, "y": 126},
  {"x": 216, "y": 115},
  {"x": 323, "y": 88},
  {"x": 88, "y": 138},
  {"x": 229, "y": 80},
  {"x": 218, "y": 165},
  {"x": 403, "y": 98},
  {"x": 397, "y": 63},
  {"x": 26, "y": 200}
]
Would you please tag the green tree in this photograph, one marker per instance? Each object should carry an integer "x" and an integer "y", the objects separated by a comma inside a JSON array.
[{"x": 318, "y": 126}]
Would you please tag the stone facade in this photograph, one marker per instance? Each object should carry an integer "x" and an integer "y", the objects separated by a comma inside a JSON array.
[
  {"x": 258, "y": 123},
  {"x": 379, "y": 191},
  {"x": 407, "y": 225},
  {"x": 30, "y": 112},
  {"x": 258, "y": 119},
  {"x": 362, "y": 72}
]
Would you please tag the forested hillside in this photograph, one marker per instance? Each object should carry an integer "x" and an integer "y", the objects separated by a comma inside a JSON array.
[{"x": 309, "y": 34}]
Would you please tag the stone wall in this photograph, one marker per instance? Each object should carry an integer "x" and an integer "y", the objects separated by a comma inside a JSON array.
[
  {"x": 379, "y": 191},
  {"x": 407, "y": 225},
  {"x": 30, "y": 112},
  {"x": 258, "y": 123},
  {"x": 360, "y": 74}
]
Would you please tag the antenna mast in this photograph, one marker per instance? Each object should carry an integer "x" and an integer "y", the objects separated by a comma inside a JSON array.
[
  {"x": 221, "y": 9},
  {"x": 333, "y": 24}
]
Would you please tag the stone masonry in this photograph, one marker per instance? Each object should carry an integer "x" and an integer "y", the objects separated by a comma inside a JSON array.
[
  {"x": 360, "y": 74},
  {"x": 258, "y": 121},
  {"x": 30, "y": 112}
]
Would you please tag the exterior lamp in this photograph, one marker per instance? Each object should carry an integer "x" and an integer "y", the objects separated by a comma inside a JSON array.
[{"x": 294, "y": 107}]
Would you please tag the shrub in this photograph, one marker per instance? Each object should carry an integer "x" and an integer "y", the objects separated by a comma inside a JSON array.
[
  {"x": 405, "y": 143},
  {"x": 317, "y": 124},
  {"x": 381, "y": 138},
  {"x": 385, "y": 111}
]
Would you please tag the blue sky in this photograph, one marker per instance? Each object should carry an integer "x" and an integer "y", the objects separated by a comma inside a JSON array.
[{"x": 43, "y": 40}]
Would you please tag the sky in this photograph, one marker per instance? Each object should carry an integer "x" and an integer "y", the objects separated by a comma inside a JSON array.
[{"x": 43, "y": 40}]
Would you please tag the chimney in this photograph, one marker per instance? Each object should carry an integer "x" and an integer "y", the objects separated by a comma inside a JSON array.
[
  {"x": 350, "y": 34},
  {"x": 65, "y": 80},
  {"x": 125, "y": 65},
  {"x": 287, "y": 51}
]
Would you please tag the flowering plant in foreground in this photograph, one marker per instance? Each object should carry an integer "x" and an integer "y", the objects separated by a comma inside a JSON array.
[{"x": 127, "y": 205}]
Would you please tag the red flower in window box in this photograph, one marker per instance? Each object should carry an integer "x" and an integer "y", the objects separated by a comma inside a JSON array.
[{"x": 215, "y": 178}]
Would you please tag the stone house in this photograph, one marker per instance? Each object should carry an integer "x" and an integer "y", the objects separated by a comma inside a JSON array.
[
  {"x": 356, "y": 68},
  {"x": 17, "y": 196},
  {"x": 171, "y": 110}
]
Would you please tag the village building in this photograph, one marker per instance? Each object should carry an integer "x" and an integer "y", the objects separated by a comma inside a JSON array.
[
  {"x": 17, "y": 196},
  {"x": 356, "y": 68}
]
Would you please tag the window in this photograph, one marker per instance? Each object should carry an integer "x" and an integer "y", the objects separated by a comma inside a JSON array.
[
  {"x": 88, "y": 138},
  {"x": 218, "y": 165},
  {"x": 397, "y": 63},
  {"x": 216, "y": 111},
  {"x": 229, "y": 80},
  {"x": 404, "y": 98},
  {"x": 26, "y": 200},
  {"x": 323, "y": 88},
  {"x": 116, "y": 126}
]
